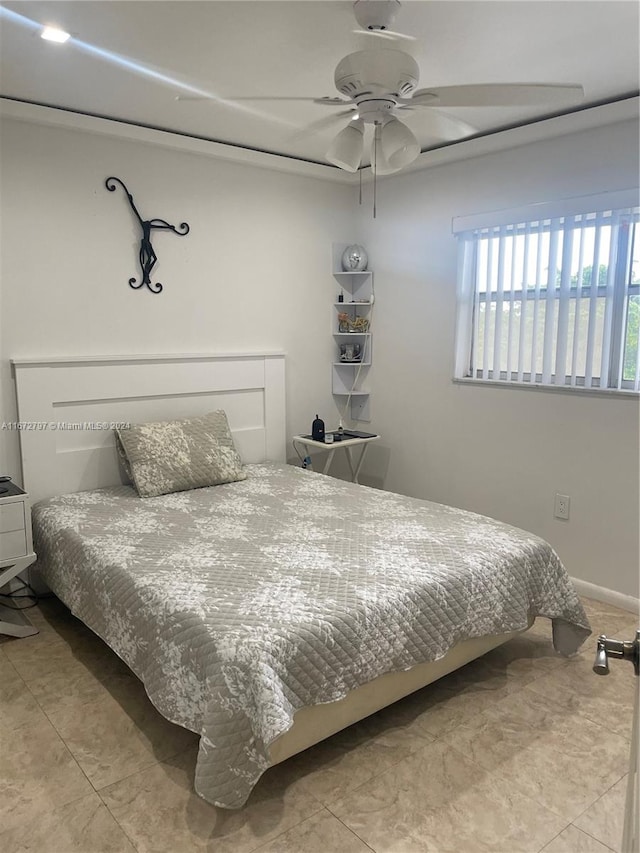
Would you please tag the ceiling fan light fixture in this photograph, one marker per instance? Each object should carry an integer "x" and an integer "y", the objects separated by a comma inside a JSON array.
[
  {"x": 346, "y": 149},
  {"x": 398, "y": 145}
]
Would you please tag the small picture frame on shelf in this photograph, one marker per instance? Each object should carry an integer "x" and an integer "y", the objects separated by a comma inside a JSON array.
[{"x": 350, "y": 352}]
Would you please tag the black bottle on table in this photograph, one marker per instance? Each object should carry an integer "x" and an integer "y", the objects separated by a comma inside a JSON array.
[{"x": 317, "y": 429}]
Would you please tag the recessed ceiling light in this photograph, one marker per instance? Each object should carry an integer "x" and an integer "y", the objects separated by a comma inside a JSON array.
[{"x": 54, "y": 34}]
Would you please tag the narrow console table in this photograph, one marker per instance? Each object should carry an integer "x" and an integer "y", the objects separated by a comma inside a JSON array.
[
  {"x": 16, "y": 554},
  {"x": 346, "y": 444}
]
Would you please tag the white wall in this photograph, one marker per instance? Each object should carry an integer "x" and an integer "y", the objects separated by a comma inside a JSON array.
[
  {"x": 500, "y": 452},
  {"x": 254, "y": 272}
]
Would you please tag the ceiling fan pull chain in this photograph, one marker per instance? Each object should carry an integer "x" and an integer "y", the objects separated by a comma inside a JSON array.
[{"x": 375, "y": 167}]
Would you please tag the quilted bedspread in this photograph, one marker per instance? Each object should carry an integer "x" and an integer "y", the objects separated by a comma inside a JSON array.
[{"x": 236, "y": 605}]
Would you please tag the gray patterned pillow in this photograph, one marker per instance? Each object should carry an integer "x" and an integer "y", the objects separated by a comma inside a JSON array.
[{"x": 174, "y": 456}]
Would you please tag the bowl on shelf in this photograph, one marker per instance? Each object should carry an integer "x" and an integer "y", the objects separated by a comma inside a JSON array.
[
  {"x": 355, "y": 325},
  {"x": 359, "y": 325}
]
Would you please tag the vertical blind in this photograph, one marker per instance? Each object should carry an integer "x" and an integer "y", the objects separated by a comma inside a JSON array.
[{"x": 553, "y": 300}]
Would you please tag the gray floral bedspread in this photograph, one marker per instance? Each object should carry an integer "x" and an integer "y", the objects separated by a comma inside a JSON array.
[{"x": 238, "y": 604}]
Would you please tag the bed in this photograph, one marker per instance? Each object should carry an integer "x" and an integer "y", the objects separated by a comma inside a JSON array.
[{"x": 268, "y": 613}]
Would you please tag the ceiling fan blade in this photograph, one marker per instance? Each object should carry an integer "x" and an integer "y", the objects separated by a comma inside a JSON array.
[
  {"x": 330, "y": 101},
  {"x": 322, "y": 124},
  {"x": 439, "y": 125},
  {"x": 499, "y": 95}
]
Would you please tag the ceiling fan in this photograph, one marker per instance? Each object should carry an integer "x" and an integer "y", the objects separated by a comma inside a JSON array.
[
  {"x": 396, "y": 76},
  {"x": 379, "y": 85}
]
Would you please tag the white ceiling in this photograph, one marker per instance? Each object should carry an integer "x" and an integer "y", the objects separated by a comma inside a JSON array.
[{"x": 129, "y": 60}]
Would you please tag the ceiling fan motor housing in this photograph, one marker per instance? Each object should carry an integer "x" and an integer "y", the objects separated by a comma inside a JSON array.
[{"x": 382, "y": 74}]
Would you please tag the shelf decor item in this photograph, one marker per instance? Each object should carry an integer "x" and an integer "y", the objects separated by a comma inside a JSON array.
[
  {"x": 350, "y": 352},
  {"x": 354, "y": 259},
  {"x": 359, "y": 325},
  {"x": 344, "y": 322}
]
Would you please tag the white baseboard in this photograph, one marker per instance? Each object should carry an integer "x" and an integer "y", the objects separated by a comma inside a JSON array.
[{"x": 609, "y": 596}]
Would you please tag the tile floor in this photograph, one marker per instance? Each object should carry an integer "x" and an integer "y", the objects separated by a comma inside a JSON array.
[{"x": 519, "y": 751}]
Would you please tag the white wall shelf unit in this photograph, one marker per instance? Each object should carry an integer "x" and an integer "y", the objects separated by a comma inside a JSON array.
[{"x": 353, "y": 339}]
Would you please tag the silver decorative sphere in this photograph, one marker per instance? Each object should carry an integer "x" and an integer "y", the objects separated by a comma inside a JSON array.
[{"x": 354, "y": 259}]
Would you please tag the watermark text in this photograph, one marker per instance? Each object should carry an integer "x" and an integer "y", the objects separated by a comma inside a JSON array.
[{"x": 62, "y": 426}]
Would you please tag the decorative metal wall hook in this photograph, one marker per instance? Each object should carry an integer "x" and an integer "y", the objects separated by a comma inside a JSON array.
[{"x": 148, "y": 257}]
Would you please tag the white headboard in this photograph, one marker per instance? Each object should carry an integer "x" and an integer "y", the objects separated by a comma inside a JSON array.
[{"x": 66, "y": 407}]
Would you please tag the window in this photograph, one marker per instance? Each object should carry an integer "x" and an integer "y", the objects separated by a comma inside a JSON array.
[{"x": 551, "y": 300}]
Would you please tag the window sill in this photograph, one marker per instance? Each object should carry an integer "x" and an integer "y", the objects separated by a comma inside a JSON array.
[{"x": 555, "y": 389}]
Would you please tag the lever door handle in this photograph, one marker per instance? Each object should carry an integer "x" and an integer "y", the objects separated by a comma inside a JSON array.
[
  {"x": 601, "y": 665},
  {"x": 626, "y": 650}
]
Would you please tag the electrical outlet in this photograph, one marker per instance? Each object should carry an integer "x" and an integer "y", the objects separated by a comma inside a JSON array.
[{"x": 562, "y": 506}]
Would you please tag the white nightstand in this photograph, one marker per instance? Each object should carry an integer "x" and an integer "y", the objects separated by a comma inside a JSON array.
[{"x": 16, "y": 554}]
